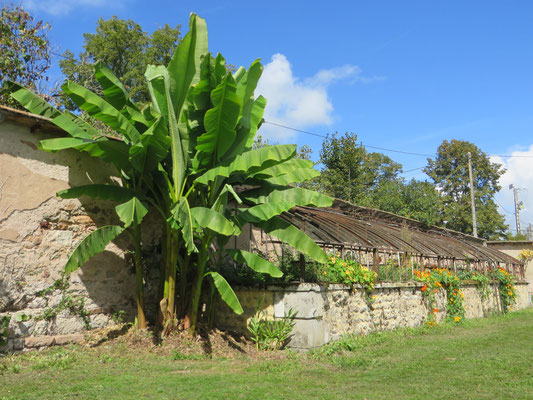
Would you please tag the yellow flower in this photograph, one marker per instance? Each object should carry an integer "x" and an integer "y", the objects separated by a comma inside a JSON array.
[{"x": 456, "y": 319}]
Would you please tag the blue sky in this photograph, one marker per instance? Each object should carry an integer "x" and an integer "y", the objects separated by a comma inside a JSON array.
[{"x": 402, "y": 75}]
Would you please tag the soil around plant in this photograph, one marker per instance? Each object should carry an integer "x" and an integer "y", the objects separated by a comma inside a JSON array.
[{"x": 207, "y": 344}]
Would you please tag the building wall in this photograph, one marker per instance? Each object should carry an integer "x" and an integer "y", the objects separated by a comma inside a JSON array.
[
  {"x": 326, "y": 313},
  {"x": 38, "y": 231}
]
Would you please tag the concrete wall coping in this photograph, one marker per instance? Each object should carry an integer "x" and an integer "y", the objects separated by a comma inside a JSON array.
[{"x": 325, "y": 287}]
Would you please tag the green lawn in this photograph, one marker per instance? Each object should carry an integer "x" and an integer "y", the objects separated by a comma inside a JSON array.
[{"x": 483, "y": 359}]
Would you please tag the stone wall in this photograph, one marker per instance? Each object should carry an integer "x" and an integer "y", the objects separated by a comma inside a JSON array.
[
  {"x": 326, "y": 313},
  {"x": 38, "y": 231},
  {"x": 513, "y": 248}
]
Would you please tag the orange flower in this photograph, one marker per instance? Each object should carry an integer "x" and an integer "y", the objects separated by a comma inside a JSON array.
[
  {"x": 456, "y": 319},
  {"x": 424, "y": 288},
  {"x": 434, "y": 290},
  {"x": 435, "y": 310}
]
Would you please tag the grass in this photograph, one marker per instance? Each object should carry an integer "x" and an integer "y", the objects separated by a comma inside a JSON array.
[{"x": 481, "y": 359}]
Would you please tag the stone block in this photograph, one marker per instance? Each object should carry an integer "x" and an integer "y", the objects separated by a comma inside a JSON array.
[
  {"x": 307, "y": 304},
  {"x": 61, "y": 340},
  {"x": 308, "y": 333},
  {"x": 38, "y": 341},
  {"x": 60, "y": 237}
]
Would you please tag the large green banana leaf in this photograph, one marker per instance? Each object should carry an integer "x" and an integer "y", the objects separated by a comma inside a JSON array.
[
  {"x": 250, "y": 162},
  {"x": 98, "y": 191},
  {"x": 295, "y": 176},
  {"x": 293, "y": 236},
  {"x": 299, "y": 196},
  {"x": 283, "y": 168},
  {"x": 32, "y": 102},
  {"x": 114, "y": 91},
  {"x": 251, "y": 111},
  {"x": 131, "y": 212},
  {"x": 220, "y": 121},
  {"x": 112, "y": 151},
  {"x": 159, "y": 85},
  {"x": 263, "y": 212},
  {"x": 75, "y": 126},
  {"x": 255, "y": 262},
  {"x": 207, "y": 218},
  {"x": 93, "y": 243},
  {"x": 153, "y": 147},
  {"x": 117, "y": 96},
  {"x": 182, "y": 215},
  {"x": 226, "y": 292},
  {"x": 100, "y": 109},
  {"x": 184, "y": 67},
  {"x": 222, "y": 200},
  {"x": 67, "y": 121}
]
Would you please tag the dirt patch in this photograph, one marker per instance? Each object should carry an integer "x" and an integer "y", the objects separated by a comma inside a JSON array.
[{"x": 207, "y": 344}]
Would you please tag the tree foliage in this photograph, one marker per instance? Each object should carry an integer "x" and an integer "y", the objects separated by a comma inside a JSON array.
[
  {"x": 372, "y": 180},
  {"x": 25, "y": 52},
  {"x": 351, "y": 173},
  {"x": 126, "y": 49},
  {"x": 449, "y": 172}
]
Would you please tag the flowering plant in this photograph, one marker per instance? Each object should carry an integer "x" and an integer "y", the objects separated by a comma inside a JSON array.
[
  {"x": 507, "y": 289},
  {"x": 440, "y": 278},
  {"x": 337, "y": 270},
  {"x": 525, "y": 255}
]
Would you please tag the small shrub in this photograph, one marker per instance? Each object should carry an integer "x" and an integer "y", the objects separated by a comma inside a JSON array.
[{"x": 271, "y": 334}]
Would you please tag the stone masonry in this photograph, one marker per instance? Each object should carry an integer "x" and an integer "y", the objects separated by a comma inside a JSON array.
[{"x": 328, "y": 312}]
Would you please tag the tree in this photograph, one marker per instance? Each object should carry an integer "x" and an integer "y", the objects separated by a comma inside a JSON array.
[
  {"x": 351, "y": 173},
  {"x": 25, "y": 52},
  {"x": 186, "y": 154},
  {"x": 421, "y": 201},
  {"x": 449, "y": 172},
  {"x": 126, "y": 49}
]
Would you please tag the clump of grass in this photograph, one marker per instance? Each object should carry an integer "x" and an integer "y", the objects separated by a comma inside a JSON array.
[{"x": 178, "y": 355}]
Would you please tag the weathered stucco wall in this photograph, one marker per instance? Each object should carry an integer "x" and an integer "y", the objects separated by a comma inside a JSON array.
[
  {"x": 326, "y": 313},
  {"x": 38, "y": 231}
]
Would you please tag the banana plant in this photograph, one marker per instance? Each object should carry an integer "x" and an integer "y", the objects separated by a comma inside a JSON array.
[
  {"x": 212, "y": 128},
  {"x": 142, "y": 144},
  {"x": 189, "y": 155}
]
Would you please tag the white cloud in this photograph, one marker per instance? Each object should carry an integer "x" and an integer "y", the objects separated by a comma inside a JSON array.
[
  {"x": 299, "y": 103},
  {"x": 520, "y": 174},
  {"x": 63, "y": 7}
]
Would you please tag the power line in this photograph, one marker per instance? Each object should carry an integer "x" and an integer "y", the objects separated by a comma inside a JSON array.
[
  {"x": 324, "y": 137},
  {"x": 294, "y": 129},
  {"x": 503, "y": 208},
  {"x": 383, "y": 148},
  {"x": 414, "y": 169}
]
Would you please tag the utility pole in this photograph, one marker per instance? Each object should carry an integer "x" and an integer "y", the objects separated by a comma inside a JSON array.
[
  {"x": 517, "y": 206},
  {"x": 473, "y": 204}
]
